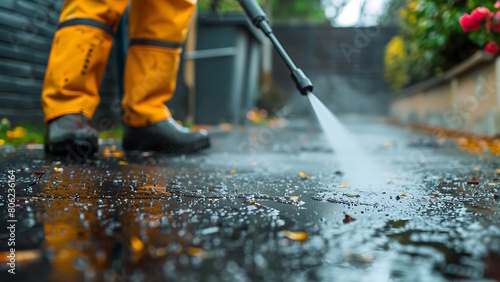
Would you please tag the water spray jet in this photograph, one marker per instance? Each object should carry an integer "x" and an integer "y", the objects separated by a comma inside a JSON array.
[{"x": 351, "y": 155}]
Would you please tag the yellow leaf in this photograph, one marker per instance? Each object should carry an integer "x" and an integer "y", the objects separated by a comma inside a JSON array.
[
  {"x": 58, "y": 169},
  {"x": 196, "y": 252},
  {"x": 254, "y": 203},
  {"x": 117, "y": 154},
  {"x": 122, "y": 163},
  {"x": 342, "y": 185},
  {"x": 18, "y": 132},
  {"x": 296, "y": 236},
  {"x": 405, "y": 195},
  {"x": 296, "y": 198},
  {"x": 2, "y": 142},
  {"x": 304, "y": 176},
  {"x": 477, "y": 168},
  {"x": 137, "y": 244},
  {"x": 106, "y": 153},
  {"x": 21, "y": 256},
  {"x": 233, "y": 171}
]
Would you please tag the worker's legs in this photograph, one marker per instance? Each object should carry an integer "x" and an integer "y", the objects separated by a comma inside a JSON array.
[
  {"x": 78, "y": 57},
  {"x": 157, "y": 29},
  {"x": 76, "y": 65}
]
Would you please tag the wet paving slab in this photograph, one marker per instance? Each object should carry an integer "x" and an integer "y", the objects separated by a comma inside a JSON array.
[{"x": 267, "y": 204}]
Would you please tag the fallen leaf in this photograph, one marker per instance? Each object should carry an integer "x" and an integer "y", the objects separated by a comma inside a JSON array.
[
  {"x": 196, "y": 252},
  {"x": 38, "y": 173},
  {"x": 296, "y": 198},
  {"x": 58, "y": 169},
  {"x": 106, "y": 154},
  {"x": 226, "y": 127},
  {"x": 477, "y": 168},
  {"x": 296, "y": 236},
  {"x": 111, "y": 148},
  {"x": 137, "y": 244},
  {"x": 405, "y": 195},
  {"x": 122, "y": 163},
  {"x": 304, "y": 175},
  {"x": 16, "y": 133},
  {"x": 348, "y": 219},
  {"x": 351, "y": 195},
  {"x": 22, "y": 256},
  {"x": 233, "y": 171},
  {"x": 342, "y": 185},
  {"x": 118, "y": 154},
  {"x": 365, "y": 258},
  {"x": 495, "y": 196},
  {"x": 254, "y": 203},
  {"x": 473, "y": 181}
]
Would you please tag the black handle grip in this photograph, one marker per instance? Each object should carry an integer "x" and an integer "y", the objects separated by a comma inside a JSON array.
[{"x": 254, "y": 11}]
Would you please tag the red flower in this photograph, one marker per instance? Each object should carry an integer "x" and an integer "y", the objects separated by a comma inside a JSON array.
[
  {"x": 480, "y": 14},
  {"x": 491, "y": 25},
  {"x": 491, "y": 48},
  {"x": 468, "y": 23},
  {"x": 497, "y": 4}
]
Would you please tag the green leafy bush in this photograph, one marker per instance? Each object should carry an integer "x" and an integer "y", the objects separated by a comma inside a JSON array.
[{"x": 433, "y": 39}]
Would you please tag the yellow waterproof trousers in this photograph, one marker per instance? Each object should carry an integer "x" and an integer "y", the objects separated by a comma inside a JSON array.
[{"x": 81, "y": 48}]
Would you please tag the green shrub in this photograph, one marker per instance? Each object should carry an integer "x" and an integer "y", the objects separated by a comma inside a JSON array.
[{"x": 433, "y": 40}]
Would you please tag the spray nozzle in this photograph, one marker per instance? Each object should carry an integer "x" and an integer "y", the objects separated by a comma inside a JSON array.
[
  {"x": 259, "y": 19},
  {"x": 303, "y": 83}
]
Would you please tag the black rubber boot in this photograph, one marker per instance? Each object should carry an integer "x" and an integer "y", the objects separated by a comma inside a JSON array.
[
  {"x": 165, "y": 136},
  {"x": 71, "y": 135}
]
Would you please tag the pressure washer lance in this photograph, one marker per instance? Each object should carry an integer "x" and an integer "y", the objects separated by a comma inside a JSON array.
[{"x": 259, "y": 19}]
